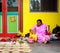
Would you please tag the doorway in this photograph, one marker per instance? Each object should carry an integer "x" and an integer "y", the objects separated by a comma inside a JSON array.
[{"x": 11, "y": 17}]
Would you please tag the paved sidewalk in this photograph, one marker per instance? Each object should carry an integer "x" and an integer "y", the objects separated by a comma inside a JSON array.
[{"x": 52, "y": 47}]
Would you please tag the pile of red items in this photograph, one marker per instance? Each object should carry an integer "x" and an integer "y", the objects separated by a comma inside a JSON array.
[{"x": 30, "y": 40}]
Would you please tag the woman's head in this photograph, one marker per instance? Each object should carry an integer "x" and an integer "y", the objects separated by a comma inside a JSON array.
[{"x": 39, "y": 22}]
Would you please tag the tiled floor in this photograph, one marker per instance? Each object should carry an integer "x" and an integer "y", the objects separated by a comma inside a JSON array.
[
  {"x": 14, "y": 47},
  {"x": 52, "y": 47}
]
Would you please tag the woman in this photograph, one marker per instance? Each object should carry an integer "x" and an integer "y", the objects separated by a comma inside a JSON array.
[{"x": 41, "y": 30}]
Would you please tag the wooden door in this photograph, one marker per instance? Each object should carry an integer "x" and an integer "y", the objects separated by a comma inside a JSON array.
[{"x": 11, "y": 17}]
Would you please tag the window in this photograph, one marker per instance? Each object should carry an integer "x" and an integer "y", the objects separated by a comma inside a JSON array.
[
  {"x": 43, "y": 5},
  {"x": 0, "y": 0},
  {"x": 12, "y": 5},
  {"x": 0, "y": 6}
]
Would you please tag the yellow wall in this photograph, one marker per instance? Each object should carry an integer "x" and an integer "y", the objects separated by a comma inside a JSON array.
[
  {"x": 29, "y": 18},
  {"x": 59, "y": 14}
]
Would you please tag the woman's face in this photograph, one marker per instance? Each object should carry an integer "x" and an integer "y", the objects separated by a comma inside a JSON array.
[{"x": 38, "y": 23}]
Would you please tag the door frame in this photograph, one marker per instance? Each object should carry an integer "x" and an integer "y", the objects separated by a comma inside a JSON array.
[{"x": 4, "y": 18}]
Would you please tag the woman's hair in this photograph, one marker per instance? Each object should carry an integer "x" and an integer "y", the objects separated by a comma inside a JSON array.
[{"x": 39, "y": 20}]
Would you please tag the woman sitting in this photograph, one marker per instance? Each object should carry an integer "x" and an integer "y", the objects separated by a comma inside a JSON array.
[{"x": 41, "y": 30}]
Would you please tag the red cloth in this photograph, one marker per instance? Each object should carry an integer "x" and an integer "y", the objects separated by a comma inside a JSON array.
[
  {"x": 3, "y": 40},
  {"x": 48, "y": 33}
]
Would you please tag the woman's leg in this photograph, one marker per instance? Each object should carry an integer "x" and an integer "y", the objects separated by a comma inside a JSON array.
[
  {"x": 41, "y": 39},
  {"x": 47, "y": 38}
]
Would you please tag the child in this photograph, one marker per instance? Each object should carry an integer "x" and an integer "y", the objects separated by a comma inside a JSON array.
[
  {"x": 19, "y": 34},
  {"x": 32, "y": 36},
  {"x": 20, "y": 37}
]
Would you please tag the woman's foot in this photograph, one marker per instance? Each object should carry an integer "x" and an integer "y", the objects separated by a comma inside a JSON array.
[{"x": 45, "y": 42}]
